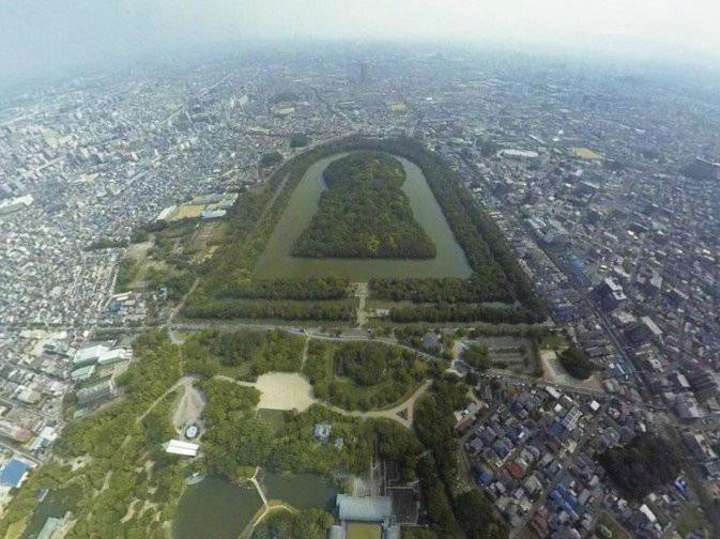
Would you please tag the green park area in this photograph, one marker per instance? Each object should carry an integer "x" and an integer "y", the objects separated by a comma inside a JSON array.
[
  {"x": 428, "y": 250},
  {"x": 117, "y": 480},
  {"x": 168, "y": 255},
  {"x": 363, "y": 375},
  {"x": 113, "y": 475},
  {"x": 243, "y": 354}
]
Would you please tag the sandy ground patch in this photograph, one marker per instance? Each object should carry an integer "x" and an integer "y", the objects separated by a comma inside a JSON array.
[
  {"x": 139, "y": 251},
  {"x": 190, "y": 407},
  {"x": 188, "y": 211},
  {"x": 284, "y": 391},
  {"x": 555, "y": 374}
]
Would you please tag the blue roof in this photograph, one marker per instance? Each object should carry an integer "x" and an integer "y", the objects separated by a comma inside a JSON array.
[
  {"x": 484, "y": 477},
  {"x": 13, "y": 473}
]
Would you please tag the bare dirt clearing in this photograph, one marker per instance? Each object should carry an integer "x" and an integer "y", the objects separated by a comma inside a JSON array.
[
  {"x": 284, "y": 391},
  {"x": 190, "y": 407},
  {"x": 555, "y": 374}
]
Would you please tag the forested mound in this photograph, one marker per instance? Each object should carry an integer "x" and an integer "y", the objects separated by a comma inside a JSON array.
[
  {"x": 641, "y": 466},
  {"x": 364, "y": 213}
]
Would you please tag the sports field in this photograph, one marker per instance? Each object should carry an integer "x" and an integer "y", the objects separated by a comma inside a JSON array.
[{"x": 364, "y": 531}]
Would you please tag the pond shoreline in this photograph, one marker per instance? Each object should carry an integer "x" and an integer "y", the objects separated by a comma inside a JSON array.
[
  {"x": 220, "y": 508},
  {"x": 276, "y": 260}
]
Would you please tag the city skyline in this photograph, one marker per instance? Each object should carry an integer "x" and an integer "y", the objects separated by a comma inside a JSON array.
[{"x": 48, "y": 35}]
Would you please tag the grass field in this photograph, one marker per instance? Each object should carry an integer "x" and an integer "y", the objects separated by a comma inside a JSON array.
[
  {"x": 618, "y": 532},
  {"x": 364, "y": 531},
  {"x": 553, "y": 342},
  {"x": 190, "y": 211},
  {"x": 690, "y": 520},
  {"x": 208, "y": 236},
  {"x": 586, "y": 153}
]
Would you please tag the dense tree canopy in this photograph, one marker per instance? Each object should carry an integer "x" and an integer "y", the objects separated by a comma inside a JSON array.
[
  {"x": 310, "y": 524},
  {"x": 265, "y": 309},
  {"x": 477, "y": 356},
  {"x": 362, "y": 375},
  {"x": 497, "y": 276},
  {"x": 299, "y": 140},
  {"x": 314, "y": 288},
  {"x": 271, "y": 158},
  {"x": 475, "y": 514},
  {"x": 364, "y": 213},
  {"x": 478, "y": 288},
  {"x": 463, "y": 312},
  {"x": 258, "y": 351},
  {"x": 643, "y": 465},
  {"x": 576, "y": 363}
]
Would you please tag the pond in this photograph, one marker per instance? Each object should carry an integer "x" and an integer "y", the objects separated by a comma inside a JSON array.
[
  {"x": 215, "y": 508},
  {"x": 302, "y": 491},
  {"x": 276, "y": 261}
]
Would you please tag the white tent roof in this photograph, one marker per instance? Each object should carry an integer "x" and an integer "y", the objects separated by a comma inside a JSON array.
[{"x": 178, "y": 447}]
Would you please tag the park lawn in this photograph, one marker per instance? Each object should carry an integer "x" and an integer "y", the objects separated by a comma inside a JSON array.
[
  {"x": 690, "y": 520},
  {"x": 16, "y": 529},
  {"x": 614, "y": 526},
  {"x": 143, "y": 267},
  {"x": 586, "y": 153},
  {"x": 364, "y": 531},
  {"x": 553, "y": 342},
  {"x": 188, "y": 211}
]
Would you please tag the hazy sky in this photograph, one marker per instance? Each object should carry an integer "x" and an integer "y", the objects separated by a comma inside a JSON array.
[{"x": 35, "y": 34}]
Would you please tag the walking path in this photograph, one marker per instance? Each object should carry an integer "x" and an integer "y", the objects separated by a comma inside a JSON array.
[
  {"x": 185, "y": 381},
  {"x": 361, "y": 292},
  {"x": 304, "y": 354},
  {"x": 255, "y": 483},
  {"x": 268, "y": 506},
  {"x": 292, "y": 391}
]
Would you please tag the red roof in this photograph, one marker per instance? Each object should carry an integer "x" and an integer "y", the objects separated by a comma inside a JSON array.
[{"x": 515, "y": 470}]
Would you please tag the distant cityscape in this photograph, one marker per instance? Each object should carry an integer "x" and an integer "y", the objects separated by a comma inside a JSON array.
[{"x": 607, "y": 188}]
